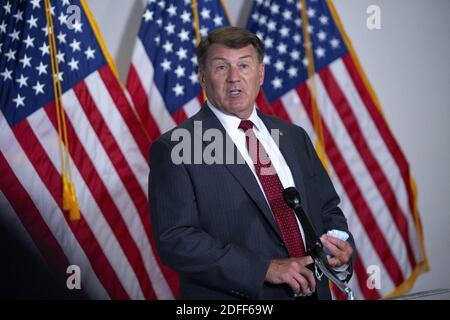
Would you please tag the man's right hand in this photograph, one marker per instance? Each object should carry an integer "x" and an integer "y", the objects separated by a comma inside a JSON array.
[{"x": 292, "y": 271}]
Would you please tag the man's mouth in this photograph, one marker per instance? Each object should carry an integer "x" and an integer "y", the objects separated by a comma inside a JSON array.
[{"x": 234, "y": 92}]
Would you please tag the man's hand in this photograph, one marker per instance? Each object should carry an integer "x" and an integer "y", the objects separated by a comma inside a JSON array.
[
  {"x": 341, "y": 251},
  {"x": 292, "y": 271}
]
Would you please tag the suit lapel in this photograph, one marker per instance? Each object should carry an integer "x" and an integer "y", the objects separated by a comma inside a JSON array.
[{"x": 241, "y": 172}]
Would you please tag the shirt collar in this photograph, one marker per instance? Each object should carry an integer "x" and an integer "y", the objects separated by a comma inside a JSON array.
[{"x": 231, "y": 122}]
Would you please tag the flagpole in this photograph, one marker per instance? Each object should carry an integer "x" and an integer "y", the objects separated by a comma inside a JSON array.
[
  {"x": 227, "y": 13},
  {"x": 197, "y": 32},
  {"x": 317, "y": 120}
]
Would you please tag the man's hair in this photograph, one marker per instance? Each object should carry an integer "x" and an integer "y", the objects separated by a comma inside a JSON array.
[{"x": 232, "y": 37}]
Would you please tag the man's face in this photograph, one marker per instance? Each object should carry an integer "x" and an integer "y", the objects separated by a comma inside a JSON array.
[{"x": 232, "y": 78}]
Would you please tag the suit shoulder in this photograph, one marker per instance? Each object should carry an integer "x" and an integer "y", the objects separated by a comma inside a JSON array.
[
  {"x": 187, "y": 125},
  {"x": 283, "y": 124}
]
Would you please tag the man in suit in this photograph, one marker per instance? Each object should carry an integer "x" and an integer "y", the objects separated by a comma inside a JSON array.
[{"x": 217, "y": 211}]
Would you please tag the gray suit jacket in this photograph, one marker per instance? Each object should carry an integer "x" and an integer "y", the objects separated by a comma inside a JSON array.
[{"x": 212, "y": 224}]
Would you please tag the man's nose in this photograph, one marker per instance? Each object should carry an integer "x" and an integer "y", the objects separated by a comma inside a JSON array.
[{"x": 233, "y": 74}]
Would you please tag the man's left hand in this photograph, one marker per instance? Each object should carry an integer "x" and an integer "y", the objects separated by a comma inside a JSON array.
[{"x": 341, "y": 251}]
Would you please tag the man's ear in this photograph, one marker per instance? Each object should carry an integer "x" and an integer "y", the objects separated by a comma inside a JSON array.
[
  {"x": 261, "y": 74},
  {"x": 201, "y": 78}
]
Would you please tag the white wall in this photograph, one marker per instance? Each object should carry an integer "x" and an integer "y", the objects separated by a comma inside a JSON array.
[{"x": 407, "y": 62}]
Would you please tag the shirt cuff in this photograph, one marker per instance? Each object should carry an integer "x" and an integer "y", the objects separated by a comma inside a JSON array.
[{"x": 342, "y": 271}]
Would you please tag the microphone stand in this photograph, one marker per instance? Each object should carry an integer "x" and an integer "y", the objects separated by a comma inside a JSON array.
[{"x": 315, "y": 246}]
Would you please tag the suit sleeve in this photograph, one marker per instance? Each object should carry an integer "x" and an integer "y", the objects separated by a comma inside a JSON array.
[
  {"x": 181, "y": 242},
  {"x": 332, "y": 215}
]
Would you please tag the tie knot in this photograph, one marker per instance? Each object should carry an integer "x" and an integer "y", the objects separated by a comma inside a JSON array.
[{"x": 245, "y": 125}]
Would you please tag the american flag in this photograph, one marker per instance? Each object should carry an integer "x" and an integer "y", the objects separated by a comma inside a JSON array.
[
  {"x": 112, "y": 242},
  {"x": 162, "y": 80},
  {"x": 366, "y": 164}
]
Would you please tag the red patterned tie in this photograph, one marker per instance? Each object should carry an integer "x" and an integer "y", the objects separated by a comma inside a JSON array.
[{"x": 284, "y": 216}]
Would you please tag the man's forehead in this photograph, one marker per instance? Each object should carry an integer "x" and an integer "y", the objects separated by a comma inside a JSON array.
[{"x": 221, "y": 52}]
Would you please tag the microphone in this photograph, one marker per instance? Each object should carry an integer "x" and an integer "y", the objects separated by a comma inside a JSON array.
[{"x": 314, "y": 245}]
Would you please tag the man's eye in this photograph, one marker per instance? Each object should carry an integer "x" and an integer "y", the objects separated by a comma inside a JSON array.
[
  {"x": 220, "y": 68},
  {"x": 244, "y": 66}
]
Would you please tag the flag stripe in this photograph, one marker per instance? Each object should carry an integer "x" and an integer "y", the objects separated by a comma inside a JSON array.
[
  {"x": 179, "y": 116},
  {"x": 355, "y": 224},
  {"x": 145, "y": 73},
  {"x": 361, "y": 274},
  {"x": 353, "y": 191},
  {"x": 365, "y": 182},
  {"x": 113, "y": 86},
  {"x": 100, "y": 94},
  {"x": 125, "y": 180},
  {"x": 294, "y": 107},
  {"x": 380, "y": 123},
  {"x": 193, "y": 106},
  {"x": 101, "y": 182},
  {"x": 383, "y": 128},
  {"x": 10, "y": 219},
  {"x": 30, "y": 218},
  {"x": 280, "y": 111},
  {"x": 86, "y": 229},
  {"x": 83, "y": 232},
  {"x": 364, "y": 213},
  {"x": 80, "y": 150},
  {"x": 371, "y": 133},
  {"x": 364, "y": 247},
  {"x": 360, "y": 277},
  {"x": 140, "y": 100},
  {"x": 101, "y": 130},
  {"x": 379, "y": 149},
  {"x": 46, "y": 196},
  {"x": 358, "y": 268},
  {"x": 263, "y": 104},
  {"x": 374, "y": 170}
]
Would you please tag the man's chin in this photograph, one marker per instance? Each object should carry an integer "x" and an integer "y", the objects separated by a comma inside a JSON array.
[
  {"x": 238, "y": 104},
  {"x": 241, "y": 110}
]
